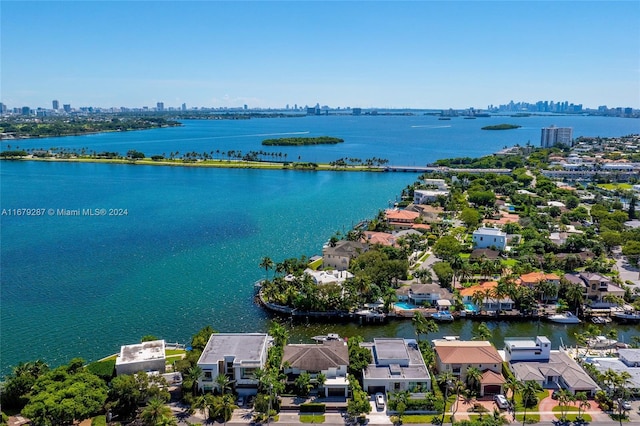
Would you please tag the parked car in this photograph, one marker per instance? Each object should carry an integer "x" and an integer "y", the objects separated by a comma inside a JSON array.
[
  {"x": 554, "y": 394},
  {"x": 626, "y": 405},
  {"x": 380, "y": 400},
  {"x": 501, "y": 401}
]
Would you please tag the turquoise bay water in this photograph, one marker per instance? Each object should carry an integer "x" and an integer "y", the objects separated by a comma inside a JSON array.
[{"x": 187, "y": 253}]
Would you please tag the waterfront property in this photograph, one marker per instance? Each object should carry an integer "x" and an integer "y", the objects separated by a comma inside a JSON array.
[
  {"x": 533, "y": 359},
  {"x": 457, "y": 356},
  {"x": 484, "y": 296},
  {"x": 343, "y": 252},
  {"x": 145, "y": 356},
  {"x": 421, "y": 294},
  {"x": 628, "y": 361},
  {"x": 489, "y": 238},
  {"x": 236, "y": 355},
  {"x": 327, "y": 276},
  {"x": 401, "y": 219},
  {"x": 331, "y": 359},
  {"x": 397, "y": 365}
]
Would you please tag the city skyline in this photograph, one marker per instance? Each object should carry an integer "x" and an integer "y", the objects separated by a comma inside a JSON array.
[{"x": 418, "y": 55}]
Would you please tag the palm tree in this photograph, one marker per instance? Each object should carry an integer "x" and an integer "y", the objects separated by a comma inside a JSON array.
[
  {"x": 279, "y": 333},
  {"x": 423, "y": 325},
  {"x": 474, "y": 375},
  {"x": 574, "y": 296},
  {"x": 204, "y": 404},
  {"x": 514, "y": 386},
  {"x": 223, "y": 407},
  {"x": 564, "y": 398},
  {"x": 154, "y": 411},
  {"x": 483, "y": 332},
  {"x": 445, "y": 378},
  {"x": 267, "y": 264},
  {"x": 529, "y": 398},
  {"x": 583, "y": 404},
  {"x": 223, "y": 382},
  {"x": 458, "y": 388}
]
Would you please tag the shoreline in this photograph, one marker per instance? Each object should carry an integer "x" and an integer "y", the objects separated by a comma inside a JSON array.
[{"x": 220, "y": 164}]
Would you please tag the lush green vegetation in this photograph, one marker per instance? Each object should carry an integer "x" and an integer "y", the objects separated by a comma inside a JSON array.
[
  {"x": 501, "y": 127},
  {"x": 48, "y": 127},
  {"x": 320, "y": 140}
]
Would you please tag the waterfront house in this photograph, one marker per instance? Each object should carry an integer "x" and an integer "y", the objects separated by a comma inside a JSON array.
[
  {"x": 533, "y": 359},
  {"x": 381, "y": 238},
  {"x": 397, "y": 365},
  {"x": 595, "y": 287},
  {"x": 145, "y": 356},
  {"x": 425, "y": 196},
  {"x": 484, "y": 295},
  {"x": 533, "y": 279},
  {"x": 420, "y": 294},
  {"x": 327, "y": 276},
  {"x": 339, "y": 256},
  {"x": 331, "y": 359},
  {"x": 489, "y": 238},
  {"x": 457, "y": 356},
  {"x": 628, "y": 361},
  {"x": 401, "y": 219},
  {"x": 238, "y": 356}
]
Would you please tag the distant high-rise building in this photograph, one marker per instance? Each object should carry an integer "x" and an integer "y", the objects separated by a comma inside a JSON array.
[
  {"x": 184, "y": 107},
  {"x": 55, "y": 105},
  {"x": 66, "y": 108},
  {"x": 26, "y": 110},
  {"x": 552, "y": 136},
  {"x": 3, "y": 108},
  {"x": 160, "y": 106},
  {"x": 245, "y": 107}
]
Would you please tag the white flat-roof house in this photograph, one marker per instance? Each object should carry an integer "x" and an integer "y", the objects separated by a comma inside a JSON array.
[
  {"x": 424, "y": 196},
  {"x": 533, "y": 359},
  {"x": 237, "y": 355},
  {"x": 397, "y": 365},
  {"x": 489, "y": 237},
  {"x": 145, "y": 356}
]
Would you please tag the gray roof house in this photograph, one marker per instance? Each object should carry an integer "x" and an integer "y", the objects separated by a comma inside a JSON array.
[
  {"x": 397, "y": 364},
  {"x": 237, "y": 355},
  {"x": 628, "y": 360},
  {"x": 330, "y": 358},
  {"x": 338, "y": 257},
  {"x": 145, "y": 356}
]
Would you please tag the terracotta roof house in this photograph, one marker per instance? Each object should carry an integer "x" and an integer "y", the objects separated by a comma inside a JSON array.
[
  {"x": 457, "y": 356},
  {"x": 533, "y": 278},
  {"x": 401, "y": 219},
  {"x": 338, "y": 257},
  {"x": 382, "y": 238},
  {"x": 331, "y": 358},
  {"x": 397, "y": 365},
  {"x": 238, "y": 356},
  {"x": 490, "y": 303}
]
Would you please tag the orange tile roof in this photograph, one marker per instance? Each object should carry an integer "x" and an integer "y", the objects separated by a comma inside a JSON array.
[
  {"x": 504, "y": 219},
  {"x": 492, "y": 378},
  {"x": 467, "y": 352},
  {"x": 402, "y": 215},
  {"x": 470, "y": 291},
  {"x": 420, "y": 226},
  {"x": 533, "y": 278}
]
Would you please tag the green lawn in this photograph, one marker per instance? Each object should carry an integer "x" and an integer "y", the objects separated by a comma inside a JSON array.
[
  {"x": 519, "y": 407},
  {"x": 311, "y": 418},
  {"x": 423, "y": 419},
  {"x": 531, "y": 418},
  {"x": 614, "y": 186},
  {"x": 170, "y": 352}
]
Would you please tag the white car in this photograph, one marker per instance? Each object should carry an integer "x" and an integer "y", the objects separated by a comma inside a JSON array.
[
  {"x": 501, "y": 401},
  {"x": 380, "y": 400}
]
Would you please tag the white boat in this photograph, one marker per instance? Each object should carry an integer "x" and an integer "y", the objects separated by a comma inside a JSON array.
[
  {"x": 442, "y": 316},
  {"x": 627, "y": 315},
  {"x": 564, "y": 318},
  {"x": 601, "y": 342},
  {"x": 326, "y": 338}
]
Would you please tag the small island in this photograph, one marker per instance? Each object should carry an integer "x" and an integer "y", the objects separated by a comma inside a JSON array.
[
  {"x": 320, "y": 140},
  {"x": 501, "y": 127}
]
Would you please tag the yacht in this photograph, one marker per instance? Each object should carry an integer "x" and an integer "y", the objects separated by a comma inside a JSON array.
[
  {"x": 442, "y": 316},
  {"x": 601, "y": 342},
  {"x": 564, "y": 318},
  {"x": 627, "y": 315}
]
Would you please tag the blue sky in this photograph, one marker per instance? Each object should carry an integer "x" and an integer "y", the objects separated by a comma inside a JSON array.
[{"x": 416, "y": 54}]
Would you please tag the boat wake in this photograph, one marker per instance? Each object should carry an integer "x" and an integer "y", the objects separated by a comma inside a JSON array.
[{"x": 429, "y": 126}]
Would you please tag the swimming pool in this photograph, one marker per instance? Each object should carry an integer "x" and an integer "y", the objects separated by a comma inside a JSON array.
[
  {"x": 470, "y": 307},
  {"x": 404, "y": 305}
]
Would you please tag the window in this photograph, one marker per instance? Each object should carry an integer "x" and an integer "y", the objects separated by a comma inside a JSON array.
[
  {"x": 248, "y": 373},
  {"x": 207, "y": 376}
]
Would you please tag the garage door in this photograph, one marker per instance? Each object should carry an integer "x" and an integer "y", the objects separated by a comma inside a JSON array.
[{"x": 373, "y": 389}]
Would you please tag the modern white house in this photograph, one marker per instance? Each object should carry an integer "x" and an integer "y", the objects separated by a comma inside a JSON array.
[
  {"x": 328, "y": 276},
  {"x": 145, "y": 356},
  {"x": 489, "y": 237},
  {"x": 533, "y": 359},
  {"x": 238, "y": 356},
  {"x": 423, "y": 196},
  {"x": 331, "y": 358},
  {"x": 397, "y": 365}
]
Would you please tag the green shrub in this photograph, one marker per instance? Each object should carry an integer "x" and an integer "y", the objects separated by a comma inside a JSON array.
[
  {"x": 312, "y": 407},
  {"x": 103, "y": 369}
]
